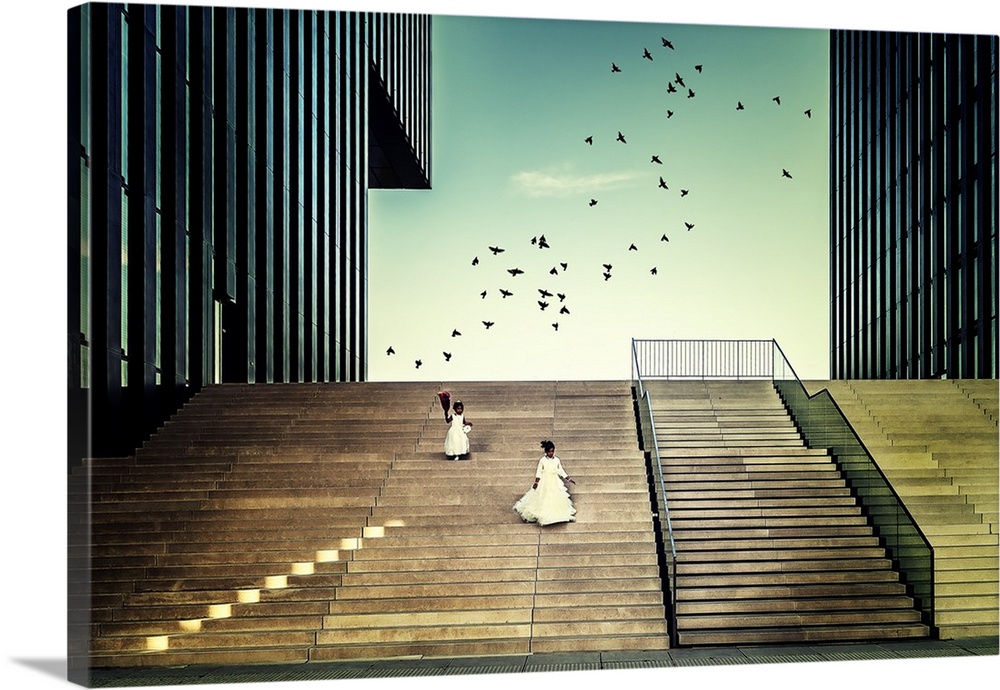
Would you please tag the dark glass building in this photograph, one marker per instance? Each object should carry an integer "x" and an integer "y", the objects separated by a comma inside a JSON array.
[
  {"x": 219, "y": 162},
  {"x": 913, "y": 193}
]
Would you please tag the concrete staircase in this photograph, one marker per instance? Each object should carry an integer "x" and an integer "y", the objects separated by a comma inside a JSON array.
[
  {"x": 772, "y": 548},
  {"x": 289, "y": 523},
  {"x": 937, "y": 442}
]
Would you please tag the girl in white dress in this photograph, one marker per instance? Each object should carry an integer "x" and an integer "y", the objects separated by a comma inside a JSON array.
[
  {"x": 456, "y": 441},
  {"x": 547, "y": 501}
]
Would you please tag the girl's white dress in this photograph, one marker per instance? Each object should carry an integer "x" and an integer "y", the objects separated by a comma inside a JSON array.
[
  {"x": 550, "y": 501},
  {"x": 456, "y": 441}
]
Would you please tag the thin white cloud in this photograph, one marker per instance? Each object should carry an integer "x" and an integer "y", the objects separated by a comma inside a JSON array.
[{"x": 539, "y": 183}]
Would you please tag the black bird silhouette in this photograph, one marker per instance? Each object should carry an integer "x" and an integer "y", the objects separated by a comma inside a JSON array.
[
  {"x": 544, "y": 293},
  {"x": 555, "y": 326},
  {"x": 553, "y": 271},
  {"x": 698, "y": 67},
  {"x": 645, "y": 54},
  {"x": 670, "y": 114},
  {"x": 483, "y": 294},
  {"x": 447, "y": 356},
  {"x": 678, "y": 79},
  {"x": 777, "y": 99},
  {"x": 390, "y": 351},
  {"x": 666, "y": 43},
  {"x": 565, "y": 266},
  {"x": 534, "y": 240},
  {"x": 690, "y": 226},
  {"x": 590, "y": 140},
  {"x": 564, "y": 310},
  {"x": 561, "y": 296},
  {"x": 664, "y": 238},
  {"x": 656, "y": 159},
  {"x": 593, "y": 202},
  {"x": 685, "y": 192},
  {"x": 455, "y": 333},
  {"x": 663, "y": 184},
  {"x": 506, "y": 293},
  {"x": 621, "y": 138},
  {"x": 690, "y": 93},
  {"x": 739, "y": 105},
  {"x": 653, "y": 270},
  {"x": 475, "y": 261},
  {"x": 607, "y": 267},
  {"x": 808, "y": 113},
  {"x": 785, "y": 173},
  {"x": 542, "y": 304},
  {"x": 515, "y": 271},
  {"x": 671, "y": 88},
  {"x": 615, "y": 68},
  {"x": 607, "y": 276},
  {"x": 633, "y": 248},
  {"x": 487, "y": 324},
  {"x": 496, "y": 250},
  {"x": 418, "y": 363},
  {"x": 542, "y": 244}
]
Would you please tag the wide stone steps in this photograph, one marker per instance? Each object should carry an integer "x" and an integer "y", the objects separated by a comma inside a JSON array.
[
  {"x": 949, "y": 428},
  {"x": 771, "y": 544}
]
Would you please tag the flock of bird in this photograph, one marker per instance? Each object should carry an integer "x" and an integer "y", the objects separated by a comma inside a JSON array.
[{"x": 542, "y": 297}]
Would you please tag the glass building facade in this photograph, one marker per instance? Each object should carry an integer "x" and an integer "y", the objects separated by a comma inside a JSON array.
[
  {"x": 913, "y": 223},
  {"x": 219, "y": 161}
]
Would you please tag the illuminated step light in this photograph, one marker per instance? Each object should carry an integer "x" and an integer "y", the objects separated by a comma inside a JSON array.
[
  {"x": 248, "y": 596},
  {"x": 374, "y": 532},
  {"x": 327, "y": 556},
  {"x": 159, "y": 643},
  {"x": 350, "y": 544},
  {"x": 303, "y": 568},
  {"x": 276, "y": 581},
  {"x": 220, "y": 611},
  {"x": 193, "y": 625},
  {"x": 395, "y": 523}
]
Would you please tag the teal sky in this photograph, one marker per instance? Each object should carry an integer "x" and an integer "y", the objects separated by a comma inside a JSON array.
[{"x": 513, "y": 100}]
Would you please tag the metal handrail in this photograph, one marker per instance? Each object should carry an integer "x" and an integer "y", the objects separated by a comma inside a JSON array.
[{"x": 642, "y": 395}]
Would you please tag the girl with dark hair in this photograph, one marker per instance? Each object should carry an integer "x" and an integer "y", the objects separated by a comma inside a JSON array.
[
  {"x": 456, "y": 441},
  {"x": 548, "y": 500}
]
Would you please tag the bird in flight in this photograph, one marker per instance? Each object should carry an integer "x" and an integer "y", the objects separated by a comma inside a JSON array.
[
  {"x": 690, "y": 226},
  {"x": 565, "y": 266},
  {"x": 671, "y": 88},
  {"x": 455, "y": 333},
  {"x": 678, "y": 79},
  {"x": 633, "y": 248},
  {"x": 475, "y": 261},
  {"x": 487, "y": 324},
  {"x": 653, "y": 270},
  {"x": 690, "y": 93},
  {"x": 685, "y": 192},
  {"x": 515, "y": 271},
  {"x": 670, "y": 114},
  {"x": 663, "y": 184},
  {"x": 615, "y": 68},
  {"x": 785, "y": 173},
  {"x": 666, "y": 43},
  {"x": 553, "y": 271},
  {"x": 542, "y": 244},
  {"x": 561, "y": 296},
  {"x": 542, "y": 304},
  {"x": 698, "y": 67},
  {"x": 777, "y": 99},
  {"x": 645, "y": 54},
  {"x": 447, "y": 356},
  {"x": 808, "y": 113},
  {"x": 593, "y": 202},
  {"x": 390, "y": 351},
  {"x": 506, "y": 293},
  {"x": 621, "y": 138},
  {"x": 418, "y": 363},
  {"x": 496, "y": 250},
  {"x": 564, "y": 310},
  {"x": 544, "y": 293},
  {"x": 556, "y": 325},
  {"x": 590, "y": 140},
  {"x": 607, "y": 276},
  {"x": 656, "y": 159},
  {"x": 739, "y": 105},
  {"x": 664, "y": 238},
  {"x": 483, "y": 294},
  {"x": 607, "y": 267}
]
